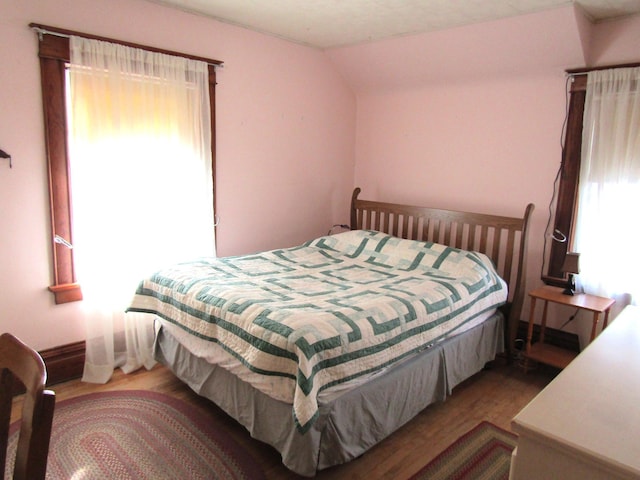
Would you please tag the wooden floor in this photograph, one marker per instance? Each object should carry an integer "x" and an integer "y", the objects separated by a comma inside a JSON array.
[{"x": 496, "y": 394}]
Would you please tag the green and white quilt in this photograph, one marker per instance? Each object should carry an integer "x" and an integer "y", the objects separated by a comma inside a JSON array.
[{"x": 331, "y": 310}]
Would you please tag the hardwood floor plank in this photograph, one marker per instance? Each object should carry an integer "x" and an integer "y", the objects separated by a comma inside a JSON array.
[{"x": 496, "y": 394}]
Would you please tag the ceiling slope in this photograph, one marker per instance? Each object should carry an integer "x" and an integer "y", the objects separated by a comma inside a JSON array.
[
  {"x": 552, "y": 39},
  {"x": 336, "y": 23}
]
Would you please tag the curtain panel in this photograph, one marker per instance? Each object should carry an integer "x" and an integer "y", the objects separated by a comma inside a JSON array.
[
  {"x": 141, "y": 182},
  {"x": 609, "y": 186}
]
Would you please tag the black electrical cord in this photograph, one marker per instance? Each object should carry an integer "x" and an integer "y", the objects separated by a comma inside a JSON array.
[
  {"x": 571, "y": 318},
  {"x": 555, "y": 181}
]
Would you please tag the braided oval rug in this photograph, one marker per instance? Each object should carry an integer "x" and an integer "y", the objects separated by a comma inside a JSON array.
[
  {"x": 136, "y": 434},
  {"x": 483, "y": 453}
]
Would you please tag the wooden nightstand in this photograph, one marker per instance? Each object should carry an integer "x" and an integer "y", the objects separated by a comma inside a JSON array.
[{"x": 552, "y": 355}]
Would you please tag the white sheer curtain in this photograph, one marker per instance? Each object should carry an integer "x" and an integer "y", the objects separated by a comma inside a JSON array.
[
  {"x": 141, "y": 179},
  {"x": 608, "y": 226}
]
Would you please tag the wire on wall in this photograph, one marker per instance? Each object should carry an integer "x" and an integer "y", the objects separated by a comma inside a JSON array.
[
  {"x": 557, "y": 235},
  {"x": 4, "y": 154},
  {"x": 571, "y": 318}
]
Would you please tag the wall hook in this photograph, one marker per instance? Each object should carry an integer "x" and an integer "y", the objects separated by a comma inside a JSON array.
[
  {"x": 4, "y": 154},
  {"x": 62, "y": 241},
  {"x": 558, "y": 236}
]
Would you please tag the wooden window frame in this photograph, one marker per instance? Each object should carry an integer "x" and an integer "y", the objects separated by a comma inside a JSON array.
[
  {"x": 567, "y": 202},
  {"x": 568, "y": 183},
  {"x": 54, "y": 56}
]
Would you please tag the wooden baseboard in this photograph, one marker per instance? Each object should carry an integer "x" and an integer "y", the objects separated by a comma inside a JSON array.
[
  {"x": 552, "y": 336},
  {"x": 64, "y": 363}
]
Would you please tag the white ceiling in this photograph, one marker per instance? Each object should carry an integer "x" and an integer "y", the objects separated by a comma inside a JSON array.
[{"x": 336, "y": 23}]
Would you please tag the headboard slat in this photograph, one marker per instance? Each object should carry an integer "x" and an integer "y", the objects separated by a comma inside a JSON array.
[
  {"x": 495, "y": 251},
  {"x": 405, "y": 227},
  {"x": 436, "y": 231},
  {"x": 508, "y": 259},
  {"x": 484, "y": 233}
]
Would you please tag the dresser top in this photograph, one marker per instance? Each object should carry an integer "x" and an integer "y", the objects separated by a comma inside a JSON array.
[{"x": 593, "y": 406}]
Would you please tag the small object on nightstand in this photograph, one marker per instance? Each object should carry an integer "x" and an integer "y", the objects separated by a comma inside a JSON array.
[
  {"x": 571, "y": 266},
  {"x": 550, "y": 354}
]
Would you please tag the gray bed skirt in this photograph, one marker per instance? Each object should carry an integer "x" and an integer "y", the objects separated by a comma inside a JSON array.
[{"x": 353, "y": 422}]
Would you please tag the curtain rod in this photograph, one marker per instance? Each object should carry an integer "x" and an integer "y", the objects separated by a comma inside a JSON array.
[
  {"x": 583, "y": 71},
  {"x": 60, "y": 32}
]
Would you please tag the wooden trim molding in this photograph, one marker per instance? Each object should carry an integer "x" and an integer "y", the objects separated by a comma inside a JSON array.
[
  {"x": 569, "y": 176},
  {"x": 577, "y": 71},
  {"x": 552, "y": 336},
  {"x": 67, "y": 292},
  {"x": 64, "y": 34},
  {"x": 64, "y": 363},
  {"x": 212, "y": 108},
  {"x": 54, "y": 55}
]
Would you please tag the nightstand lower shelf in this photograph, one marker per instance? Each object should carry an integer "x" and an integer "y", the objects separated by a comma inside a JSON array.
[{"x": 550, "y": 355}]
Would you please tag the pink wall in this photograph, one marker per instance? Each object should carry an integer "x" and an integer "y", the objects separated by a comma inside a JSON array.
[
  {"x": 616, "y": 42},
  {"x": 285, "y": 126},
  {"x": 465, "y": 119},
  {"x": 471, "y": 118},
  {"x": 491, "y": 146}
]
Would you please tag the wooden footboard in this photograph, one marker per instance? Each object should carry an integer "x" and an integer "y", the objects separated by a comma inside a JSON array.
[{"x": 503, "y": 239}]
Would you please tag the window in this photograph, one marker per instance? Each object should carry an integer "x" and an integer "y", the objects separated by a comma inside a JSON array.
[
  {"x": 610, "y": 185},
  {"x": 54, "y": 57},
  {"x": 569, "y": 199}
]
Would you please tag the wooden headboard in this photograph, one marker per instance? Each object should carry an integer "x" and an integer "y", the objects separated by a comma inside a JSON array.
[{"x": 503, "y": 239}]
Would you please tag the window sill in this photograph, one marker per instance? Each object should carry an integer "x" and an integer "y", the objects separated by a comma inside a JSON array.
[{"x": 66, "y": 293}]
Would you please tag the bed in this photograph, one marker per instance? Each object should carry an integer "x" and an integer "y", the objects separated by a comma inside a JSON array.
[{"x": 324, "y": 349}]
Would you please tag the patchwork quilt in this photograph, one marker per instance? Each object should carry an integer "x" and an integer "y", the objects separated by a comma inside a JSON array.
[{"x": 330, "y": 310}]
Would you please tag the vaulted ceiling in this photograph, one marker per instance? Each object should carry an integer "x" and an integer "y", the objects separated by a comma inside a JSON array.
[{"x": 336, "y": 23}]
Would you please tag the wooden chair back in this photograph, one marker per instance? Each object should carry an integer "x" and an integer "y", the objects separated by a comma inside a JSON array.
[{"x": 21, "y": 362}]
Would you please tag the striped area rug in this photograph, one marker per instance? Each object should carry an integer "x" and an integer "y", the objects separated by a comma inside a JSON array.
[
  {"x": 483, "y": 453},
  {"x": 140, "y": 435}
]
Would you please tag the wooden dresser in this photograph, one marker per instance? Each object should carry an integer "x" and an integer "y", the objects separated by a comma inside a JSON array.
[{"x": 586, "y": 422}]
